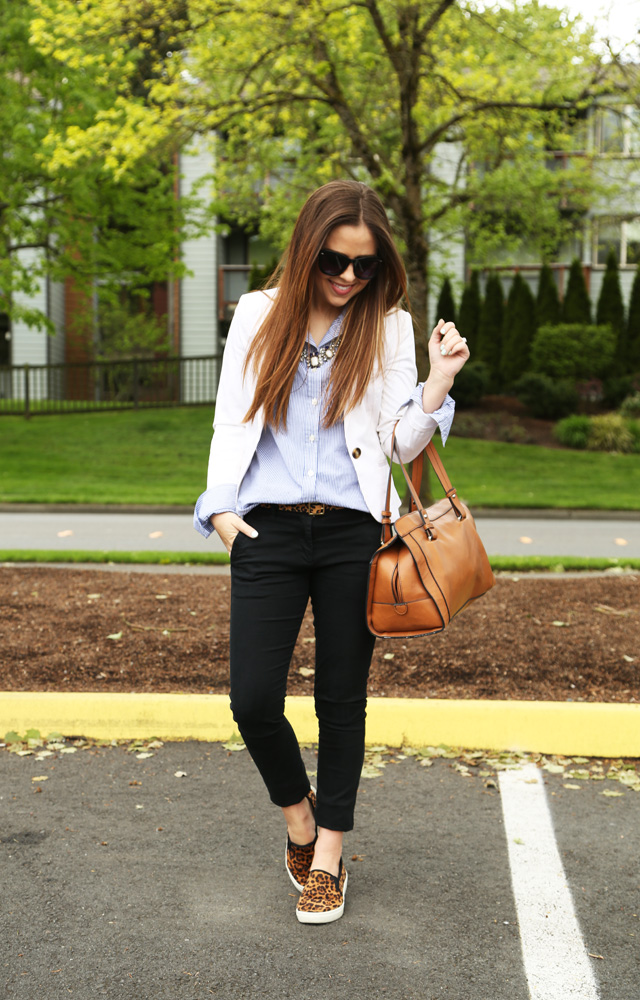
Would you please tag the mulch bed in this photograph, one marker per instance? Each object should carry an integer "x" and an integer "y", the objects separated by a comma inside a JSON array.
[{"x": 85, "y": 630}]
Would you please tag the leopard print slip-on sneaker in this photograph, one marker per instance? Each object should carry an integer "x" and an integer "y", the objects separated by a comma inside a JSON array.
[
  {"x": 298, "y": 857},
  {"x": 323, "y": 897}
]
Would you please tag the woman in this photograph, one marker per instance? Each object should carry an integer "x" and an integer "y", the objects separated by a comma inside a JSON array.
[{"x": 316, "y": 373}]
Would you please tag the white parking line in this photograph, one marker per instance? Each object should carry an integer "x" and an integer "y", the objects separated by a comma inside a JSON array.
[{"x": 555, "y": 958}]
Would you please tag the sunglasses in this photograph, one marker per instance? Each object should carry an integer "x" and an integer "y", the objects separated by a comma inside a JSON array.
[{"x": 333, "y": 263}]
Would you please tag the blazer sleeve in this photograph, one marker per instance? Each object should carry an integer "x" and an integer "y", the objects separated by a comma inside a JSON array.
[{"x": 399, "y": 380}]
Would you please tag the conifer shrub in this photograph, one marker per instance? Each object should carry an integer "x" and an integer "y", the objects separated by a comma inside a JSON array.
[
  {"x": 548, "y": 310},
  {"x": 469, "y": 312},
  {"x": 471, "y": 384},
  {"x": 256, "y": 277},
  {"x": 610, "y": 308},
  {"x": 573, "y": 351},
  {"x": 489, "y": 344},
  {"x": 610, "y": 432},
  {"x": 518, "y": 328},
  {"x": 629, "y": 350},
  {"x": 576, "y": 305},
  {"x": 573, "y": 431},
  {"x": 546, "y": 398},
  {"x": 446, "y": 307}
]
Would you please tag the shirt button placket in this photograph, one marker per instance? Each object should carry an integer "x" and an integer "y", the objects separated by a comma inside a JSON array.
[{"x": 311, "y": 436}]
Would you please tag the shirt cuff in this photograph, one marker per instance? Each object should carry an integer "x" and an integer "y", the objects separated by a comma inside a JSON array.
[
  {"x": 443, "y": 416},
  {"x": 213, "y": 501}
]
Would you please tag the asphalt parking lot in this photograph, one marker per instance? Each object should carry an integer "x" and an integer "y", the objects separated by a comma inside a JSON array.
[{"x": 122, "y": 879}]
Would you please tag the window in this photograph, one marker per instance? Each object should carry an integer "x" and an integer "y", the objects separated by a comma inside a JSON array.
[
  {"x": 620, "y": 235},
  {"x": 618, "y": 131}
]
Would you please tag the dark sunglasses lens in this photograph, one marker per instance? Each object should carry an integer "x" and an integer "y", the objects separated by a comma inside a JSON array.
[
  {"x": 365, "y": 267},
  {"x": 332, "y": 263}
]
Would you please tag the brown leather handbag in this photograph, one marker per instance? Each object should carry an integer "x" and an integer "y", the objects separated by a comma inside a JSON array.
[{"x": 431, "y": 562}]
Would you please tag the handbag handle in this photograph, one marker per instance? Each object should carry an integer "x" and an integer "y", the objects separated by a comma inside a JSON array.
[{"x": 413, "y": 485}]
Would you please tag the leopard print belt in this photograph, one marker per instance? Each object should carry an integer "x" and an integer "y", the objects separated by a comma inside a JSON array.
[{"x": 312, "y": 508}]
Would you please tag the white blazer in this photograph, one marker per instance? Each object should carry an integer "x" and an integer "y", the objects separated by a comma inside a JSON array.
[{"x": 368, "y": 427}]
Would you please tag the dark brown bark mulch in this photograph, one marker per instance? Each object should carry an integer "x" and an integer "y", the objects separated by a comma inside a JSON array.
[{"x": 549, "y": 639}]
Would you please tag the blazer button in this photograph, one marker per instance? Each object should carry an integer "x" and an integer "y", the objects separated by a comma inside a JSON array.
[{"x": 356, "y": 453}]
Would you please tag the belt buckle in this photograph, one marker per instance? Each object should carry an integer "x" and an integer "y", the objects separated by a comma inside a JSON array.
[{"x": 315, "y": 509}]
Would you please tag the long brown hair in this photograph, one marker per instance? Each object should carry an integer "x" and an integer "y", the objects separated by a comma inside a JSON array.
[{"x": 277, "y": 346}]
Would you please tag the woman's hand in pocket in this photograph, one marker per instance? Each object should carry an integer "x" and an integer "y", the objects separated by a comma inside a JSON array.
[{"x": 228, "y": 525}]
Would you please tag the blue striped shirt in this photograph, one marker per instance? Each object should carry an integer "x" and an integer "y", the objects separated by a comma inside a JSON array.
[{"x": 305, "y": 462}]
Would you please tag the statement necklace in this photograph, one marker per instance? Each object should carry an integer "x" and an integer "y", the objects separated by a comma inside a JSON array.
[{"x": 318, "y": 356}]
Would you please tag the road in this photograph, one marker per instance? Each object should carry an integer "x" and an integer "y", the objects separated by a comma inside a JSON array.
[
  {"x": 122, "y": 880},
  {"x": 529, "y": 534}
]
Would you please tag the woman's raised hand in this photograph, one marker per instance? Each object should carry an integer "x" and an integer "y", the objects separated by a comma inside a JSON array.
[
  {"x": 448, "y": 350},
  {"x": 228, "y": 525}
]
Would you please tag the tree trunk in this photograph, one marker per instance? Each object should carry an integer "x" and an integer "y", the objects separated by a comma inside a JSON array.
[
  {"x": 418, "y": 292},
  {"x": 416, "y": 264}
]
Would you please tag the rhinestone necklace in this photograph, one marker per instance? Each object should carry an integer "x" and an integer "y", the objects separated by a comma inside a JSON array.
[{"x": 322, "y": 354}]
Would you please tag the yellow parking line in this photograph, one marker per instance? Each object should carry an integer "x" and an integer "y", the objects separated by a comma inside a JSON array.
[{"x": 589, "y": 729}]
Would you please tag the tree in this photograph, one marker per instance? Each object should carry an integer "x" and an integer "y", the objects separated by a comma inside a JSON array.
[
  {"x": 631, "y": 357},
  {"x": 68, "y": 206},
  {"x": 610, "y": 307},
  {"x": 446, "y": 307},
  {"x": 547, "y": 299},
  {"x": 448, "y": 111},
  {"x": 489, "y": 346},
  {"x": 469, "y": 314},
  {"x": 576, "y": 305},
  {"x": 519, "y": 328}
]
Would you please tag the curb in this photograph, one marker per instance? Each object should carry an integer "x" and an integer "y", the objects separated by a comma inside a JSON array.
[
  {"x": 534, "y": 513},
  {"x": 586, "y": 728}
]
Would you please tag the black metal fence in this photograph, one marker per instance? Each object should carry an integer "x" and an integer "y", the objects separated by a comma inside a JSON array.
[{"x": 30, "y": 390}]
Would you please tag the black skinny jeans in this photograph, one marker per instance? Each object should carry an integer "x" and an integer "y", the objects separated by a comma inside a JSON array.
[{"x": 296, "y": 557}]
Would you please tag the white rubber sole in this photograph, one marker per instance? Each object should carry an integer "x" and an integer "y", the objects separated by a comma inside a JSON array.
[
  {"x": 299, "y": 887},
  {"x": 328, "y": 916}
]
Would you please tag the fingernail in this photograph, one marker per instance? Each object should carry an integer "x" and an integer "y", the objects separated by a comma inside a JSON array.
[
  {"x": 254, "y": 534},
  {"x": 443, "y": 349},
  {"x": 464, "y": 340}
]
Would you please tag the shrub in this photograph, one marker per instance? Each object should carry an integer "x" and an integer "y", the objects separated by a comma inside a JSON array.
[
  {"x": 610, "y": 432},
  {"x": 469, "y": 312},
  {"x": 471, "y": 384},
  {"x": 630, "y": 406},
  {"x": 573, "y": 431},
  {"x": 610, "y": 309},
  {"x": 545, "y": 397},
  {"x": 576, "y": 305},
  {"x": 547, "y": 300},
  {"x": 519, "y": 328},
  {"x": 629, "y": 351},
  {"x": 634, "y": 428},
  {"x": 489, "y": 345},
  {"x": 615, "y": 390},
  {"x": 446, "y": 307},
  {"x": 573, "y": 351},
  {"x": 490, "y": 427}
]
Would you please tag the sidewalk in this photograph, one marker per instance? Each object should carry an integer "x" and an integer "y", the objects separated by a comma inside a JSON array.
[{"x": 504, "y": 533}]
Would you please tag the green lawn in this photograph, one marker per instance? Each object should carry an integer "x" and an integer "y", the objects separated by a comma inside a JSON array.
[
  {"x": 160, "y": 457},
  {"x": 504, "y": 564}
]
